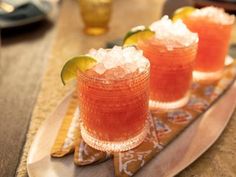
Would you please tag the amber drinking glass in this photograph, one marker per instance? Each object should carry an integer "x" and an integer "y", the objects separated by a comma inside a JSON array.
[{"x": 95, "y": 15}]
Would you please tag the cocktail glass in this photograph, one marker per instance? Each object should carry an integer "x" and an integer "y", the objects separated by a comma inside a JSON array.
[
  {"x": 214, "y": 27},
  {"x": 171, "y": 54},
  {"x": 95, "y": 15},
  {"x": 113, "y": 99}
]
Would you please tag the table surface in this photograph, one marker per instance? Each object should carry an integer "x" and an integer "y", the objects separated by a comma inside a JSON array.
[
  {"x": 23, "y": 58},
  {"x": 25, "y": 54}
]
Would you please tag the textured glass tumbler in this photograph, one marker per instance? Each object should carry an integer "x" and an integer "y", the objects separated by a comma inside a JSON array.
[
  {"x": 212, "y": 48},
  {"x": 95, "y": 15},
  {"x": 171, "y": 73},
  {"x": 113, "y": 113}
]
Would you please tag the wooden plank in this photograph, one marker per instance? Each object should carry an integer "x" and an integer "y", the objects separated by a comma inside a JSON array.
[
  {"x": 176, "y": 156},
  {"x": 23, "y": 57}
]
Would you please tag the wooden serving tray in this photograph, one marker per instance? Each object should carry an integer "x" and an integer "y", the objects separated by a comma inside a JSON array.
[{"x": 186, "y": 148}]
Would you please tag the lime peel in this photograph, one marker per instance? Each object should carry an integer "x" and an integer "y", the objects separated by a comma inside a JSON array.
[
  {"x": 183, "y": 12},
  {"x": 81, "y": 63},
  {"x": 138, "y": 33}
]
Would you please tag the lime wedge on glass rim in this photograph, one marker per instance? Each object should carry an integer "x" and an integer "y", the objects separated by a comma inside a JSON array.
[
  {"x": 182, "y": 12},
  {"x": 81, "y": 63},
  {"x": 138, "y": 33}
]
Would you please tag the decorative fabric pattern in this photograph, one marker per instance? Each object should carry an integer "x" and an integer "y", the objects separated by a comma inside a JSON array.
[
  {"x": 126, "y": 163},
  {"x": 85, "y": 155},
  {"x": 68, "y": 132}
]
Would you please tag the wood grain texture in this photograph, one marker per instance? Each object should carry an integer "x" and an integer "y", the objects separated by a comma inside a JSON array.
[{"x": 22, "y": 61}]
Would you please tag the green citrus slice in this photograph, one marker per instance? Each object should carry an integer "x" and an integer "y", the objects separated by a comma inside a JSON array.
[
  {"x": 82, "y": 63},
  {"x": 182, "y": 12},
  {"x": 138, "y": 33}
]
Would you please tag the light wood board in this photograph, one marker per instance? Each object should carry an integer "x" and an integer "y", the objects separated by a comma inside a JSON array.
[{"x": 186, "y": 148}]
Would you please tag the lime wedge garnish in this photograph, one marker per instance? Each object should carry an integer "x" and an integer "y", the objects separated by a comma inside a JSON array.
[
  {"x": 138, "y": 33},
  {"x": 182, "y": 12},
  {"x": 82, "y": 63}
]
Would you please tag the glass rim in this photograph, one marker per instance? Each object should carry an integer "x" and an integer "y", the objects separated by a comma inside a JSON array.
[
  {"x": 214, "y": 22},
  {"x": 85, "y": 75},
  {"x": 196, "y": 41}
]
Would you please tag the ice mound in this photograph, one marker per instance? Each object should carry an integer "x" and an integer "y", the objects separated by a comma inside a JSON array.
[
  {"x": 217, "y": 15},
  {"x": 128, "y": 58},
  {"x": 173, "y": 34}
]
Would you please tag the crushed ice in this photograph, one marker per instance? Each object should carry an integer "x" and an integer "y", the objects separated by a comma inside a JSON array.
[
  {"x": 217, "y": 15},
  {"x": 173, "y": 34},
  {"x": 129, "y": 58}
]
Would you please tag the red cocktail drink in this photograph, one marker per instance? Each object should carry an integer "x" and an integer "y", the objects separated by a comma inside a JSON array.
[
  {"x": 214, "y": 27},
  {"x": 114, "y": 103},
  {"x": 171, "y": 66}
]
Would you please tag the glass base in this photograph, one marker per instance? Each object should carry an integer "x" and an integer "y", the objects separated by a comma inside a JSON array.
[
  {"x": 117, "y": 146},
  {"x": 94, "y": 31},
  {"x": 169, "y": 105},
  {"x": 206, "y": 76}
]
